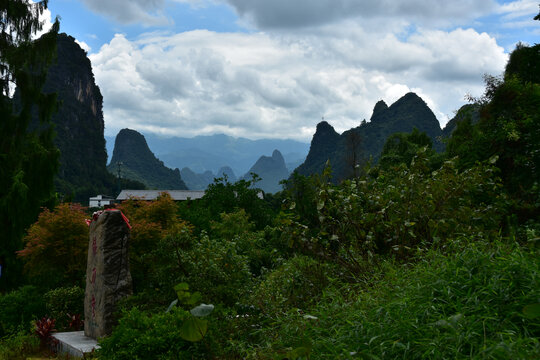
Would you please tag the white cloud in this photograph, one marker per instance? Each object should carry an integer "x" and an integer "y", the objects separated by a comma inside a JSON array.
[
  {"x": 267, "y": 85},
  {"x": 145, "y": 12},
  {"x": 83, "y": 45},
  {"x": 518, "y": 9}
]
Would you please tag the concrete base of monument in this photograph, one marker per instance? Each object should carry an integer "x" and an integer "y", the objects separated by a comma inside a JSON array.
[{"x": 75, "y": 343}]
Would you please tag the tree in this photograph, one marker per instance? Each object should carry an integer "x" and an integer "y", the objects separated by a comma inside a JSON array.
[
  {"x": 508, "y": 128},
  {"x": 28, "y": 156},
  {"x": 401, "y": 148},
  {"x": 56, "y": 246},
  {"x": 353, "y": 142}
]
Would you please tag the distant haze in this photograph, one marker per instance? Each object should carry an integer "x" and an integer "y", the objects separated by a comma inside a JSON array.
[{"x": 210, "y": 153}]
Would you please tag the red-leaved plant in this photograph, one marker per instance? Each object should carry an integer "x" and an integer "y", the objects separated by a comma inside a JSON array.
[
  {"x": 44, "y": 329},
  {"x": 75, "y": 323}
]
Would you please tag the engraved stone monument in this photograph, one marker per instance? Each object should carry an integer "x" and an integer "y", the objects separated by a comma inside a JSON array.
[{"x": 107, "y": 273}]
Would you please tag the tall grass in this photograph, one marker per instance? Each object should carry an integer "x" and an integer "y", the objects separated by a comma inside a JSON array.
[{"x": 466, "y": 305}]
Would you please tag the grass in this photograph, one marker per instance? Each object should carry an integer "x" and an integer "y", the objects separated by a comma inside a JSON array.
[{"x": 466, "y": 305}]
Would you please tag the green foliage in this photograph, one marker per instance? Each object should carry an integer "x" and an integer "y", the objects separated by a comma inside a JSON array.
[
  {"x": 225, "y": 197},
  {"x": 466, "y": 305},
  {"x": 401, "y": 148},
  {"x": 29, "y": 158},
  {"x": 18, "y": 308},
  {"x": 399, "y": 213},
  {"x": 18, "y": 346},
  {"x": 232, "y": 225},
  {"x": 298, "y": 283},
  {"x": 151, "y": 221},
  {"x": 62, "y": 303},
  {"x": 212, "y": 267},
  {"x": 141, "y": 335},
  {"x": 56, "y": 247},
  {"x": 508, "y": 128}
]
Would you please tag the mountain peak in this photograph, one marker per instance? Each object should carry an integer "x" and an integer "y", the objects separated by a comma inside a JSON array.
[
  {"x": 324, "y": 127},
  {"x": 276, "y": 156},
  {"x": 379, "y": 108},
  {"x": 139, "y": 163}
]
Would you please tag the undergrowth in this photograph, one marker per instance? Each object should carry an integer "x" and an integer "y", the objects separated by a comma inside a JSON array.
[{"x": 466, "y": 305}]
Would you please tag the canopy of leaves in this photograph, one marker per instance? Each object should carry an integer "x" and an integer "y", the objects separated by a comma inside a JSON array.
[
  {"x": 29, "y": 158},
  {"x": 56, "y": 247}
]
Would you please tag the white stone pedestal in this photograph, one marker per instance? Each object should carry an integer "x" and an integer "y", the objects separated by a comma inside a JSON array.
[{"x": 75, "y": 343}]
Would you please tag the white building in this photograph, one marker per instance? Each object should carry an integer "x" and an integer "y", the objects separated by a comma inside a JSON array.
[{"x": 100, "y": 201}]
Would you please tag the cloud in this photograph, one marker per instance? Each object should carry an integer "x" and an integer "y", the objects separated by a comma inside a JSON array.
[
  {"x": 517, "y": 9},
  {"x": 145, "y": 12},
  {"x": 302, "y": 13},
  {"x": 275, "y": 85},
  {"x": 83, "y": 45}
]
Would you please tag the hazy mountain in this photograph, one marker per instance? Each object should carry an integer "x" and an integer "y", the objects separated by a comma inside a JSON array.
[
  {"x": 134, "y": 160},
  {"x": 200, "y": 181},
  {"x": 356, "y": 145},
  {"x": 271, "y": 170},
  {"x": 195, "y": 181},
  {"x": 202, "y": 153}
]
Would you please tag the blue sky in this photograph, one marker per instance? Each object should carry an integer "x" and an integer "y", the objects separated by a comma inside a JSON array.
[{"x": 257, "y": 68}]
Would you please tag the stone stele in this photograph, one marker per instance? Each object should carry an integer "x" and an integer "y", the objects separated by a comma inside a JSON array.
[{"x": 107, "y": 273}]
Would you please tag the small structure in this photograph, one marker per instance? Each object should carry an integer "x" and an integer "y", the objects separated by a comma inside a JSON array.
[
  {"x": 100, "y": 201},
  {"x": 151, "y": 195},
  {"x": 176, "y": 195}
]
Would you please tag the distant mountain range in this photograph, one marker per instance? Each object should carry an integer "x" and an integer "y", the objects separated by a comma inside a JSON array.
[
  {"x": 83, "y": 172},
  {"x": 210, "y": 153},
  {"x": 355, "y": 146},
  {"x": 200, "y": 155}
]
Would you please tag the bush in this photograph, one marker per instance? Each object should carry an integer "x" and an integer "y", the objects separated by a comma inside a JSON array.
[
  {"x": 398, "y": 213},
  {"x": 214, "y": 268},
  {"x": 19, "y": 346},
  {"x": 18, "y": 308},
  {"x": 298, "y": 283},
  {"x": 141, "y": 335},
  {"x": 55, "y": 251},
  {"x": 467, "y": 305},
  {"x": 62, "y": 303}
]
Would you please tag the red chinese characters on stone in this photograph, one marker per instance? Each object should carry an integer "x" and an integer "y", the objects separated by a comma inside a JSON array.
[
  {"x": 94, "y": 245},
  {"x": 93, "y": 306},
  {"x": 93, "y": 278}
]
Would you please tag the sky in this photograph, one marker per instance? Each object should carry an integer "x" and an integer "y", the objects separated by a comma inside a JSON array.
[{"x": 274, "y": 69}]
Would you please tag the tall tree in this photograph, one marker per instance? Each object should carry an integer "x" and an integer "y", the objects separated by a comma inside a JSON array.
[{"x": 28, "y": 156}]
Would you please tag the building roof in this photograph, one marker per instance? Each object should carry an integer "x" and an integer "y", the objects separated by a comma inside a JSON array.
[
  {"x": 177, "y": 195},
  {"x": 102, "y": 197}
]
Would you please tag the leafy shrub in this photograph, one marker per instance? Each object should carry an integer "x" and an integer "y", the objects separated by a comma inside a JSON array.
[
  {"x": 56, "y": 247},
  {"x": 63, "y": 303},
  {"x": 212, "y": 267},
  {"x": 262, "y": 248},
  {"x": 467, "y": 305},
  {"x": 298, "y": 283},
  {"x": 19, "y": 307},
  {"x": 44, "y": 329},
  {"x": 150, "y": 222},
  {"x": 400, "y": 213},
  {"x": 19, "y": 345},
  {"x": 141, "y": 335}
]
